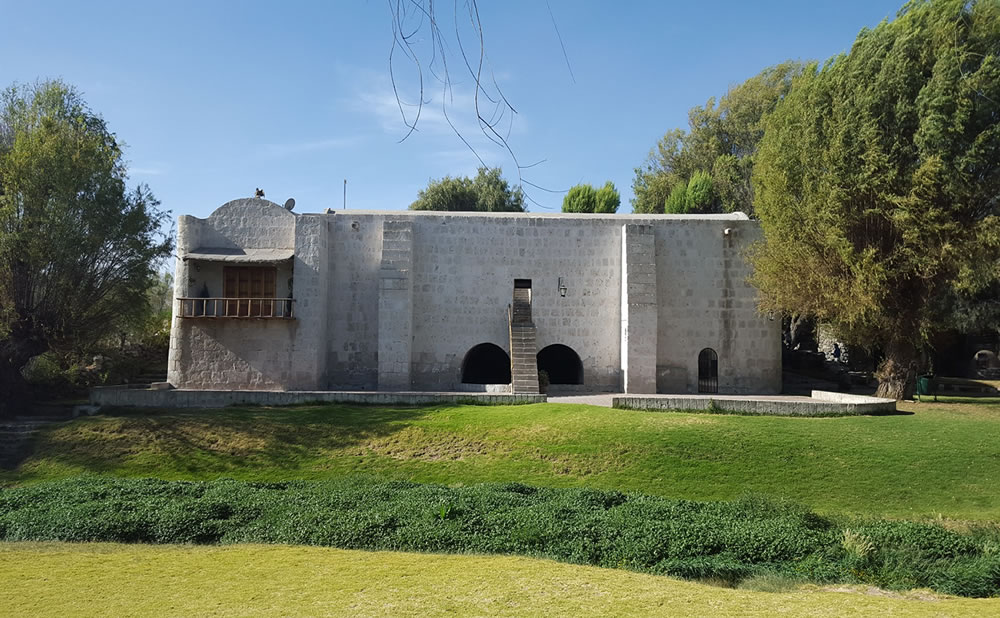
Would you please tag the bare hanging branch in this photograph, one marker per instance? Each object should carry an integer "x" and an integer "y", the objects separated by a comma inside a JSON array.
[{"x": 416, "y": 29}]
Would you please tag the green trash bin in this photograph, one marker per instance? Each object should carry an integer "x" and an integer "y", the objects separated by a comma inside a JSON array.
[{"x": 926, "y": 386}]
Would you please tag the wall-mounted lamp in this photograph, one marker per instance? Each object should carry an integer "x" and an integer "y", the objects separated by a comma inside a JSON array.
[{"x": 562, "y": 288}]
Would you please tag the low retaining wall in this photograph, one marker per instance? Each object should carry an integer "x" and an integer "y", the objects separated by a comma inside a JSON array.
[
  {"x": 184, "y": 398},
  {"x": 821, "y": 403},
  {"x": 484, "y": 388}
]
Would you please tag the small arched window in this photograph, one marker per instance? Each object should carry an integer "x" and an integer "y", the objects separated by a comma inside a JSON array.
[{"x": 708, "y": 371}]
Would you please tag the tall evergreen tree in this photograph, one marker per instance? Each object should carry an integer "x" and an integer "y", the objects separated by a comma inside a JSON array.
[{"x": 585, "y": 198}]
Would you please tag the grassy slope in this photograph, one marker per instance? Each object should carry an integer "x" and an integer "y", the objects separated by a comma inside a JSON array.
[
  {"x": 54, "y": 579},
  {"x": 944, "y": 459}
]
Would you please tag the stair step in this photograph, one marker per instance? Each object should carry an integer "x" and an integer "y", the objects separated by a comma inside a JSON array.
[{"x": 523, "y": 344}]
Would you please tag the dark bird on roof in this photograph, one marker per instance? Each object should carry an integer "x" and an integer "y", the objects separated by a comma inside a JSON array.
[{"x": 259, "y": 192}]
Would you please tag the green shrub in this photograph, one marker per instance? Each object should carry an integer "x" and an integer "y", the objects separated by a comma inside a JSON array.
[
  {"x": 543, "y": 381},
  {"x": 747, "y": 540}
]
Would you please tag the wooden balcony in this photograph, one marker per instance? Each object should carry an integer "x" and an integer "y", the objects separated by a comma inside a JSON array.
[{"x": 236, "y": 308}]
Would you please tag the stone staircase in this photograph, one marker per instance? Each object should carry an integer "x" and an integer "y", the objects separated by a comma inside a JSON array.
[
  {"x": 15, "y": 438},
  {"x": 16, "y": 433},
  {"x": 148, "y": 377},
  {"x": 523, "y": 348}
]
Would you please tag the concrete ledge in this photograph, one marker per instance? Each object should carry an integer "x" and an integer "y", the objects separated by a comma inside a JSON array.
[
  {"x": 822, "y": 403},
  {"x": 185, "y": 398},
  {"x": 484, "y": 388}
]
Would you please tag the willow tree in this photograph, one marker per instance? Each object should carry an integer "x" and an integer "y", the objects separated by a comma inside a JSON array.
[
  {"x": 878, "y": 183},
  {"x": 77, "y": 246}
]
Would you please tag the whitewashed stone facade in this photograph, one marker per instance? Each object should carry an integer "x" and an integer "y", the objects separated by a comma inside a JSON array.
[{"x": 395, "y": 300}]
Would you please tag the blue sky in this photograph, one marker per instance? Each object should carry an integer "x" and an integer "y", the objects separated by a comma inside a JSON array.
[{"x": 215, "y": 99}]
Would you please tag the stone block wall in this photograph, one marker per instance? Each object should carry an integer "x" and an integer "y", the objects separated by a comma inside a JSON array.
[
  {"x": 352, "y": 334},
  {"x": 244, "y": 223},
  {"x": 705, "y": 300},
  {"x": 240, "y": 354},
  {"x": 311, "y": 291},
  {"x": 639, "y": 315},
  {"x": 394, "y": 300},
  {"x": 464, "y": 268},
  {"x": 395, "y": 306},
  {"x": 248, "y": 354}
]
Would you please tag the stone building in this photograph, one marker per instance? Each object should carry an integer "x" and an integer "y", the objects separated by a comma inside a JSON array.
[{"x": 427, "y": 301}]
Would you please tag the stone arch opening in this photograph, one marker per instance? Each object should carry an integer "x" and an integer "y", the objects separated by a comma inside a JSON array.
[
  {"x": 486, "y": 363},
  {"x": 708, "y": 371},
  {"x": 561, "y": 363}
]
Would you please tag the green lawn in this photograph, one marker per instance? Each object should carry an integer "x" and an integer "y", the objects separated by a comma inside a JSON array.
[
  {"x": 58, "y": 579},
  {"x": 941, "y": 460}
]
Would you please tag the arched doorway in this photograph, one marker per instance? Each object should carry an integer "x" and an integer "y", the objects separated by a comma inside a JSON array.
[
  {"x": 708, "y": 371},
  {"x": 486, "y": 363},
  {"x": 561, "y": 363}
]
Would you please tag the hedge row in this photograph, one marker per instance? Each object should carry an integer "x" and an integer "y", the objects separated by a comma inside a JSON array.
[{"x": 721, "y": 540}]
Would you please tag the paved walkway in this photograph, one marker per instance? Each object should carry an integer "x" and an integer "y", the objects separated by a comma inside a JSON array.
[
  {"x": 604, "y": 399},
  {"x": 593, "y": 399},
  {"x": 824, "y": 404}
]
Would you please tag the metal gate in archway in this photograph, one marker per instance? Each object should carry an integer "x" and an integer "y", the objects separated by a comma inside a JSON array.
[{"x": 708, "y": 371}]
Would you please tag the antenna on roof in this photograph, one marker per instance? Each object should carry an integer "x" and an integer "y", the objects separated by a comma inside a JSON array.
[
  {"x": 290, "y": 204},
  {"x": 345, "y": 194}
]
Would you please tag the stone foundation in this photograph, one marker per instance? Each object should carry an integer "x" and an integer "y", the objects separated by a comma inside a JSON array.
[{"x": 114, "y": 396}]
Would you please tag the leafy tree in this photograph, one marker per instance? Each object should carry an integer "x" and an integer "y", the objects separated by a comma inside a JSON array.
[
  {"x": 677, "y": 201},
  {"x": 667, "y": 166},
  {"x": 878, "y": 184},
  {"x": 487, "y": 192},
  {"x": 77, "y": 247},
  {"x": 150, "y": 329},
  {"x": 447, "y": 194},
  {"x": 161, "y": 293},
  {"x": 722, "y": 141},
  {"x": 585, "y": 198}
]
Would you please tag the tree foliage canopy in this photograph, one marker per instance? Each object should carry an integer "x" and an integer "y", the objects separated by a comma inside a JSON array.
[
  {"x": 77, "y": 247},
  {"x": 487, "y": 192},
  {"x": 721, "y": 142},
  {"x": 878, "y": 182},
  {"x": 585, "y": 198},
  {"x": 697, "y": 196}
]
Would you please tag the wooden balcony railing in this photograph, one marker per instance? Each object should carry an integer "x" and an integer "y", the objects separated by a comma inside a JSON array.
[{"x": 258, "y": 308}]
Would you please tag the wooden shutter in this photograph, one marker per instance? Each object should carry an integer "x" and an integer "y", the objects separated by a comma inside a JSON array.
[{"x": 256, "y": 284}]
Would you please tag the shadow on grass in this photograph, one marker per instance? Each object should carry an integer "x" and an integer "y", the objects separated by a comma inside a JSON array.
[
  {"x": 203, "y": 443},
  {"x": 951, "y": 399},
  {"x": 896, "y": 412}
]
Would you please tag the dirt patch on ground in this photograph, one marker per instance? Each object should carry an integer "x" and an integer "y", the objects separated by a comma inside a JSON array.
[
  {"x": 678, "y": 419},
  {"x": 113, "y": 438},
  {"x": 906, "y": 595},
  {"x": 579, "y": 464},
  {"x": 415, "y": 443}
]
